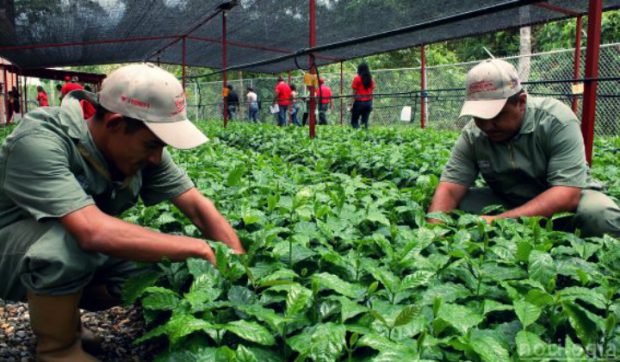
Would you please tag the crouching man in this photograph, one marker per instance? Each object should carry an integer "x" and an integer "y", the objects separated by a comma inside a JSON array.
[
  {"x": 63, "y": 179},
  {"x": 530, "y": 153}
]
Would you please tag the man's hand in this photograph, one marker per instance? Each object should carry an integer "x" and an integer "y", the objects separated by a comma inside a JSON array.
[
  {"x": 208, "y": 254},
  {"x": 208, "y": 219},
  {"x": 447, "y": 197},
  {"x": 489, "y": 219}
]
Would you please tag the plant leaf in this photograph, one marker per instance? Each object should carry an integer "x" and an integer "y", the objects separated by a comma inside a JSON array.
[
  {"x": 459, "y": 317},
  {"x": 406, "y": 315},
  {"x": 527, "y": 312},
  {"x": 135, "y": 286},
  {"x": 338, "y": 285},
  {"x": 297, "y": 299},
  {"x": 530, "y": 345},
  {"x": 321, "y": 342},
  {"x": 585, "y": 328},
  {"x": 251, "y": 331},
  {"x": 417, "y": 279},
  {"x": 541, "y": 267},
  {"x": 488, "y": 348}
]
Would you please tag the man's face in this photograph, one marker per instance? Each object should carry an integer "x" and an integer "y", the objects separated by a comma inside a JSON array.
[
  {"x": 130, "y": 152},
  {"x": 506, "y": 124}
]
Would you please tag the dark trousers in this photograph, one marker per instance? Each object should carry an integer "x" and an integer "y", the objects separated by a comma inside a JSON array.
[
  {"x": 282, "y": 115},
  {"x": 360, "y": 109},
  {"x": 323, "y": 113}
]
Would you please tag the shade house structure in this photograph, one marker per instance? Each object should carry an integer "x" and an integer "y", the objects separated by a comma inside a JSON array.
[{"x": 269, "y": 35}]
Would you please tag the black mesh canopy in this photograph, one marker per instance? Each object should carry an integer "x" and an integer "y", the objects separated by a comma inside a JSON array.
[{"x": 262, "y": 35}]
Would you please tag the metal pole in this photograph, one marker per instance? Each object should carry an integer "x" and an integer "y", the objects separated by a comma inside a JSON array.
[
  {"x": 576, "y": 61},
  {"x": 25, "y": 104},
  {"x": 183, "y": 55},
  {"x": 18, "y": 97},
  {"x": 224, "y": 66},
  {"x": 589, "y": 92},
  {"x": 312, "y": 32},
  {"x": 422, "y": 87},
  {"x": 341, "y": 93},
  {"x": 6, "y": 94},
  {"x": 290, "y": 115}
]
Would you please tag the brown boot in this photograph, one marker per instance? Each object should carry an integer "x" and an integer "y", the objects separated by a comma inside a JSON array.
[{"x": 54, "y": 321}]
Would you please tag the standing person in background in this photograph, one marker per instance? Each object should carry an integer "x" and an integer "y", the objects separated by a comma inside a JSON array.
[
  {"x": 362, "y": 86},
  {"x": 324, "y": 95},
  {"x": 9, "y": 108},
  {"x": 296, "y": 106},
  {"x": 14, "y": 106},
  {"x": 42, "y": 97},
  {"x": 232, "y": 102},
  {"x": 283, "y": 100},
  {"x": 87, "y": 108},
  {"x": 252, "y": 101}
]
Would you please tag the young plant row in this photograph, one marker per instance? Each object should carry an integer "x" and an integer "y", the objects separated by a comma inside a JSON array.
[{"x": 341, "y": 264}]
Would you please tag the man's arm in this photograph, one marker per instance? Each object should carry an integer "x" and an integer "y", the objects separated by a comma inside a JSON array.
[
  {"x": 555, "y": 199},
  {"x": 447, "y": 197},
  {"x": 96, "y": 231},
  {"x": 205, "y": 216}
]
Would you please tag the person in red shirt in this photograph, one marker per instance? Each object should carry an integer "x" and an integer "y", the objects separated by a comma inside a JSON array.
[
  {"x": 87, "y": 108},
  {"x": 324, "y": 95},
  {"x": 283, "y": 99},
  {"x": 363, "y": 86},
  {"x": 42, "y": 97}
]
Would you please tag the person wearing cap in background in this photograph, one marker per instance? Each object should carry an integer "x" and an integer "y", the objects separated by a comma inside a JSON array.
[
  {"x": 61, "y": 246},
  {"x": 530, "y": 153}
]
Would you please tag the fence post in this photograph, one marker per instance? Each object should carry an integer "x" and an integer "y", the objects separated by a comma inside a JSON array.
[
  {"x": 588, "y": 113},
  {"x": 422, "y": 87},
  {"x": 576, "y": 61}
]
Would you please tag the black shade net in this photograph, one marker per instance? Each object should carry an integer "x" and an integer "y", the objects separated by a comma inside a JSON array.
[{"x": 262, "y": 35}]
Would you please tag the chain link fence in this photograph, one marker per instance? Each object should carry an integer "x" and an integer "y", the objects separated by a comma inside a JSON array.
[{"x": 398, "y": 88}]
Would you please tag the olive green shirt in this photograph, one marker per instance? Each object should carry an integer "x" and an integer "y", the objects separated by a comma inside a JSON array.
[
  {"x": 548, "y": 151},
  {"x": 50, "y": 167}
]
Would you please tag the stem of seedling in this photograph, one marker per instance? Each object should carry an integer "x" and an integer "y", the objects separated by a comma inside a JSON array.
[{"x": 290, "y": 253}]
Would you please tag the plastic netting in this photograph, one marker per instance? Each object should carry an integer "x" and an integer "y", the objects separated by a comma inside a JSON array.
[
  {"x": 35, "y": 33},
  {"x": 398, "y": 88}
]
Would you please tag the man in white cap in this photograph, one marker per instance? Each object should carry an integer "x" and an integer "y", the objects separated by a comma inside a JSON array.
[
  {"x": 530, "y": 153},
  {"x": 63, "y": 181}
]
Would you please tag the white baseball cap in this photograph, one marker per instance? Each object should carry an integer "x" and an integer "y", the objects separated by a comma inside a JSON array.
[
  {"x": 154, "y": 96},
  {"x": 489, "y": 85}
]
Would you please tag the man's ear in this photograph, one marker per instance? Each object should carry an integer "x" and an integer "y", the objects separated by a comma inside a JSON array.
[
  {"x": 522, "y": 100},
  {"x": 113, "y": 122}
]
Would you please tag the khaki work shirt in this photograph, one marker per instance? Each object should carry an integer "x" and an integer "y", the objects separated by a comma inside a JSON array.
[
  {"x": 548, "y": 151},
  {"x": 49, "y": 168}
]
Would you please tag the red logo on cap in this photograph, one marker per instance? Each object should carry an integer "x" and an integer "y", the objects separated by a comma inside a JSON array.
[
  {"x": 481, "y": 86},
  {"x": 135, "y": 102},
  {"x": 179, "y": 103}
]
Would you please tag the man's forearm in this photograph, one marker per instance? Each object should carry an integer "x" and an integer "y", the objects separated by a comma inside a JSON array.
[
  {"x": 98, "y": 232},
  {"x": 554, "y": 200},
  {"x": 447, "y": 197},
  {"x": 214, "y": 226},
  {"x": 201, "y": 211}
]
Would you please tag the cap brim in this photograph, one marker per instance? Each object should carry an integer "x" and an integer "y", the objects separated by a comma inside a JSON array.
[
  {"x": 485, "y": 109},
  {"x": 182, "y": 135}
]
